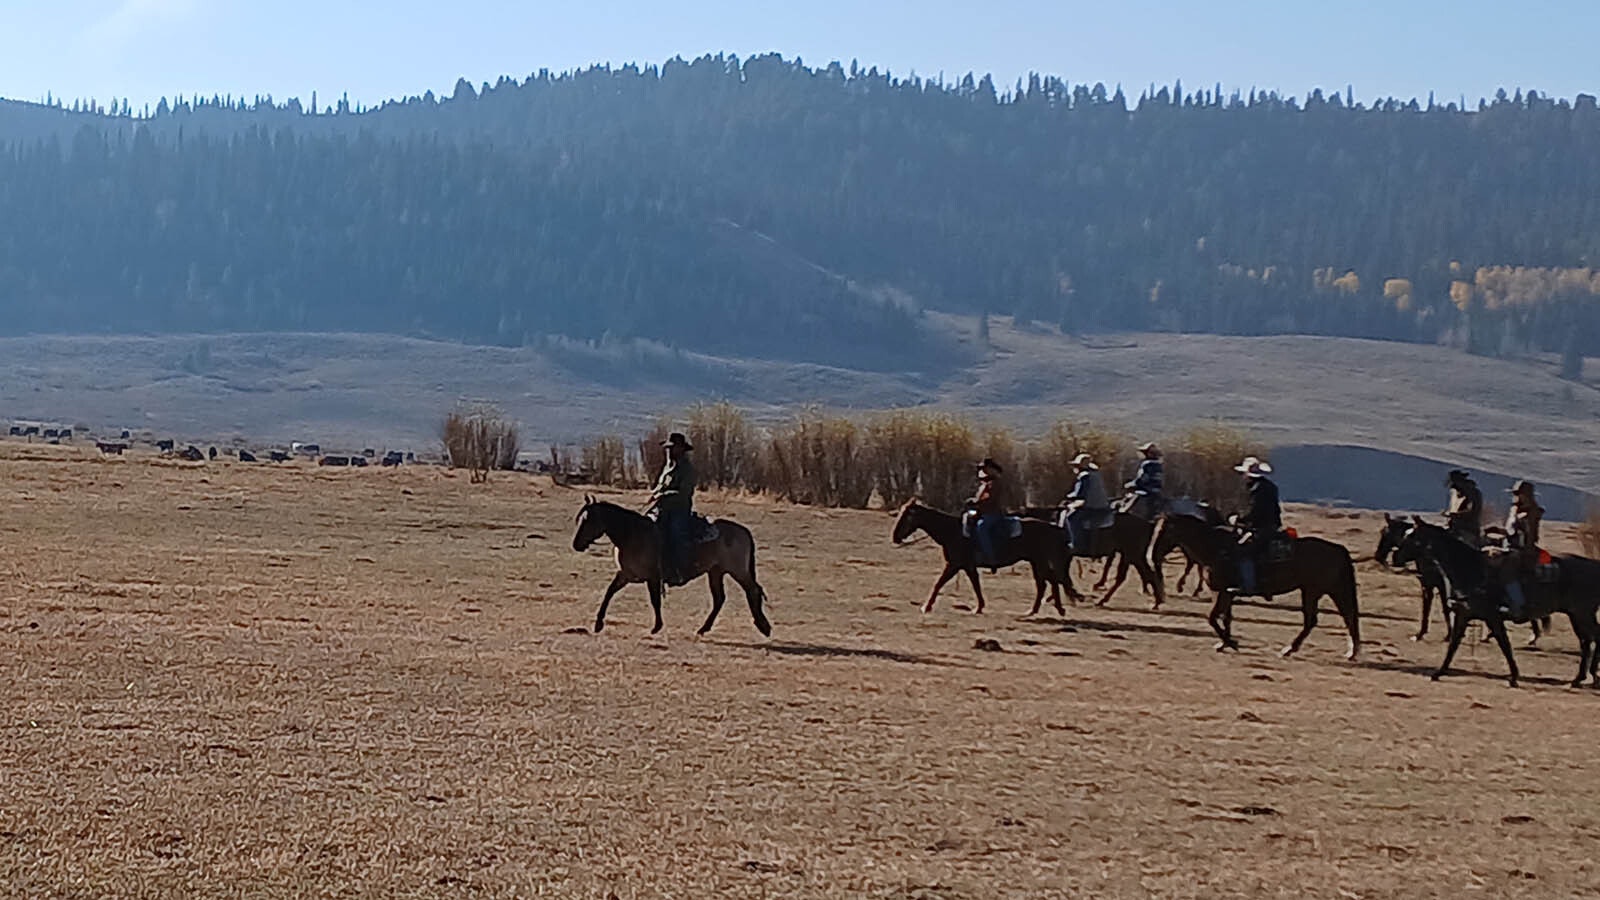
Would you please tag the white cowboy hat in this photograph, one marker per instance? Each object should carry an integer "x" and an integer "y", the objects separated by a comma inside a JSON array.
[
  {"x": 1149, "y": 446},
  {"x": 1084, "y": 461},
  {"x": 1253, "y": 467}
]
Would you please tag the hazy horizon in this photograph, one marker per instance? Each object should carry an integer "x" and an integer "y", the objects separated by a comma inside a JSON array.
[{"x": 142, "y": 50}]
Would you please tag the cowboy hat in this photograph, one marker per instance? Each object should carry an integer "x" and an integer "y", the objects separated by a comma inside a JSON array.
[
  {"x": 676, "y": 439},
  {"x": 988, "y": 467},
  {"x": 1522, "y": 487},
  {"x": 1253, "y": 467},
  {"x": 1084, "y": 461},
  {"x": 1149, "y": 447}
]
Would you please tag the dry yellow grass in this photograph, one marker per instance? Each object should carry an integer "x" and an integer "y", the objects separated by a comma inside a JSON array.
[{"x": 258, "y": 681}]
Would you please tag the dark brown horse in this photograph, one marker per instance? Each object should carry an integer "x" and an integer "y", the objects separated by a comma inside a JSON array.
[
  {"x": 639, "y": 551},
  {"x": 1042, "y": 545},
  {"x": 1316, "y": 568},
  {"x": 1431, "y": 578},
  {"x": 1126, "y": 543},
  {"x": 1473, "y": 591}
]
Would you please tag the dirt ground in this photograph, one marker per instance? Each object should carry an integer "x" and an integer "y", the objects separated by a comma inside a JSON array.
[{"x": 284, "y": 681}]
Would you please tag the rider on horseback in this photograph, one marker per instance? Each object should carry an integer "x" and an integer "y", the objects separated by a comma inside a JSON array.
[
  {"x": 1521, "y": 549},
  {"x": 988, "y": 506},
  {"x": 1144, "y": 491},
  {"x": 1088, "y": 505},
  {"x": 673, "y": 502},
  {"x": 1464, "y": 517},
  {"x": 1261, "y": 523}
]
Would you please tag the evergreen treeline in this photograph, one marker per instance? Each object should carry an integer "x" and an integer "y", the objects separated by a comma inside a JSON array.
[{"x": 764, "y": 205}]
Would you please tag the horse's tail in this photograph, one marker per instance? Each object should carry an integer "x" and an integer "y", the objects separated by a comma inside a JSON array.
[{"x": 1345, "y": 597}]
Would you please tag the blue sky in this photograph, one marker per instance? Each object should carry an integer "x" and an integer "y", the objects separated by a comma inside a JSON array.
[{"x": 376, "y": 49}]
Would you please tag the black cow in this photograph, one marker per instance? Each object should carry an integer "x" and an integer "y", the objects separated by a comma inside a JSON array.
[
  {"x": 110, "y": 449},
  {"x": 126, "y": 434},
  {"x": 16, "y": 431},
  {"x": 166, "y": 446},
  {"x": 359, "y": 462},
  {"x": 65, "y": 434},
  {"x": 278, "y": 456},
  {"x": 334, "y": 461},
  {"x": 213, "y": 453},
  {"x": 246, "y": 456},
  {"x": 192, "y": 454},
  {"x": 393, "y": 458}
]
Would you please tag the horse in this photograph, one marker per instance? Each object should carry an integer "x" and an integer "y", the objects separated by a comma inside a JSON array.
[
  {"x": 1127, "y": 545},
  {"x": 1042, "y": 545},
  {"x": 1317, "y": 568},
  {"x": 1474, "y": 593},
  {"x": 639, "y": 551},
  {"x": 1429, "y": 575},
  {"x": 1431, "y": 579}
]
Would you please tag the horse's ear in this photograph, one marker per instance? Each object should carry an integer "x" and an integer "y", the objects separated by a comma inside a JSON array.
[
  {"x": 588, "y": 499},
  {"x": 1416, "y": 520},
  {"x": 1388, "y": 519}
]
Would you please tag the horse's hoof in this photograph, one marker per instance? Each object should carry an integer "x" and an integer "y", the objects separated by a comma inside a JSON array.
[
  {"x": 765, "y": 629},
  {"x": 656, "y": 630},
  {"x": 1287, "y": 652},
  {"x": 1511, "y": 683},
  {"x": 599, "y": 627},
  {"x": 1417, "y": 638},
  {"x": 926, "y": 610},
  {"x": 1436, "y": 676}
]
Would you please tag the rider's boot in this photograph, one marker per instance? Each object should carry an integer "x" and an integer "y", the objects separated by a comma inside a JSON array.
[
  {"x": 1247, "y": 575},
  {"x": 1516, "y": 606}
]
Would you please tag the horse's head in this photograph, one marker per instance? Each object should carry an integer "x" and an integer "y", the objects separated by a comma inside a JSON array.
[
  {"x": 1389, "y": 539},
  {"x": 590, "y": 526},
  {"x": 909, "y": 520},
  {"x": 1413, "y": 541}
]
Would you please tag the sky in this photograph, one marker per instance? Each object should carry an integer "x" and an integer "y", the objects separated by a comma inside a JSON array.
[{"x": 374, "y": 50}]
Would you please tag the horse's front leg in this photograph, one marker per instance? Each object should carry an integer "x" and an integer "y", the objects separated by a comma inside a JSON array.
[
  {"x": 618, "y": 582},
  {"x": 1459, "y": 622},
  {"x": 1105, "y": 574},
  {"x": 1427, "y": 613},
  {"x": 1039, "y": 584},
  {"x": 950, "y": 570},
  {"x": 1221, "y": 619}
]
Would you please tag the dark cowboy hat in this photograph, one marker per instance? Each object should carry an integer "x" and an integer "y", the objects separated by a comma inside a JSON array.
[
  {"x": 1457, "y": 475},
  {"x": 990, "y": 465},
  {"x": 1522, "y": 487},
  {"x": 676, "y": 439}
]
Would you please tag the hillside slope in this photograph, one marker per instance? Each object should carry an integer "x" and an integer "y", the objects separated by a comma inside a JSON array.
[{"x": 363, "y": 390}]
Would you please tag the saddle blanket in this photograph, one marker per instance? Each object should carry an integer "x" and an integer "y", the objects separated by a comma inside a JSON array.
[{"x": 704, "y": 531}]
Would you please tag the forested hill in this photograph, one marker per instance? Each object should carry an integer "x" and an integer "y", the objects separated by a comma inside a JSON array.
[{"x": 766, "y": 207}]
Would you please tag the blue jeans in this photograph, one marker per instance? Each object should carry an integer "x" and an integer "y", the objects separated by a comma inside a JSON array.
[
  {"x": 983, "y": 530},
  {"x": 1078, "y": 530},
  {"x": 675, "y": 526}
]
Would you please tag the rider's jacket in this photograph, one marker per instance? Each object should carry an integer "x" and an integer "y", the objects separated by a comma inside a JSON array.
[
  {"x": 989, "y": 500},
  {"x": 1090, "y": 491},
  {"x": 1466, "y": 505},
  {"x": 674, "y": 490},
  {"x": 1522, "y": 526},
  {"x": 1148, "y": 479},
  {"x": 1264, "y": 517}
]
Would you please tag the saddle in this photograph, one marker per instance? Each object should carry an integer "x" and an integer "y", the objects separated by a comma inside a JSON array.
[
  {"x": 1101, "y": 543},
  {"x": 1143, "y": 506},
  {"x": 1010, "y": 526},
  {"x": 703, "y": 530}
]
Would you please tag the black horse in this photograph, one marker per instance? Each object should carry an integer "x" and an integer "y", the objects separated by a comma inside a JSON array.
[
  {"x": 1041, "y": 545},
  {"x": 1429, "y": 576},
  {"x": 1431, "y": 579},
  {"x": 1473, "y": 592}
]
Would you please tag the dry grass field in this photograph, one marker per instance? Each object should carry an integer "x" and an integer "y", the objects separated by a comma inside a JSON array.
[{"x": 224, "y": 680}]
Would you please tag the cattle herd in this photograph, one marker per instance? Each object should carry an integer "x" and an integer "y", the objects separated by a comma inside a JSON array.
[{"x": 170, "y": 448}]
